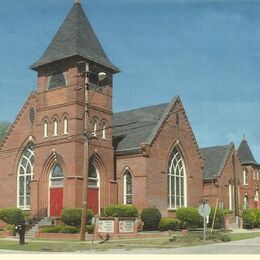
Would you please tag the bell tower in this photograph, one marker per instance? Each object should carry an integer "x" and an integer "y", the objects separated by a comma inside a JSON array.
[{"x": 75, "y": 66}]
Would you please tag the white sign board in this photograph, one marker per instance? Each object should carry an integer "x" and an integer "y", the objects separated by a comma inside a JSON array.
[
  {"x": 204, "y": 210},
  {"x": 126, "y": 226},
  {"x": 106, "y": 226}
]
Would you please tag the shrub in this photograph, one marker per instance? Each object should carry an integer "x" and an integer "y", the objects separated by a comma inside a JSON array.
[
  {"x": 249, "y": 218},
  {"x": 90, "y": 229},
  {"x": 219, "y": 236},
  {"x": 10, "y": 227},
  {"x": 121, "y": 211},
  {"x": 72, "y": 216},
  {"x": 257, "y": 215},
  {"x": 151, "y": 218},
  {"x": 219, "y": 218},
  {"x": 224, "y": 237},
  {"x": 168, "y": 224},
  {"x": 11, "y": 215},
  {"x": 189, "y": 218},
  {"x": 26, "y": 215},
  {"x": 69, "y": 230},
  {"x": 51, "y": 229}
]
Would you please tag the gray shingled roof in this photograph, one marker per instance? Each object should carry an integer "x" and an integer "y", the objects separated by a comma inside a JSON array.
[
  {"x": 214, "y": 160},
  {"x": 245, "y": 154},
  {"x": 75, "y": 37},
  {"x": 131, "y": 128},
  {"x": 4, "y": 127}
]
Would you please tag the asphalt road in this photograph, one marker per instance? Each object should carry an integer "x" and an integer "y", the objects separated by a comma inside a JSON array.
[{"x": 246, "y": 246}]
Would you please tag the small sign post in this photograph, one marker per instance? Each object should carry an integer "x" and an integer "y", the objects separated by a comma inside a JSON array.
[{"x": 204, "y": 211}]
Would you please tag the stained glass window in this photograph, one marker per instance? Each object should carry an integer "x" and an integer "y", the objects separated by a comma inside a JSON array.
[
  {"x": 92, "y": 176},
  {"x": 25, "y": 172},
  {"x": 127, "y": 188},
  {"x": 176, "y": 180},
  {"x": 56, "y": 177}
]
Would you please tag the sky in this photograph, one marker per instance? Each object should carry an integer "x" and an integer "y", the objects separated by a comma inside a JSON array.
[{"x": 205, "y": 51}]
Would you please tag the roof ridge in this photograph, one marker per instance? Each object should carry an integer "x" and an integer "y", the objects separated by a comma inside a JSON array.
[
  {"x": 135, "y": 109},
  {"x": 214, "y": 146}
]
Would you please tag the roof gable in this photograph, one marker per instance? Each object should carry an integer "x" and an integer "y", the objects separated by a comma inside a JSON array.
[
  {"x": 215, "y": 158},
  {"x": 142, "y": 126},
  {"x": 75, "y": 37}
]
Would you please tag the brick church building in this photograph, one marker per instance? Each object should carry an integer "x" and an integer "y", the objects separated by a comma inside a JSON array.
[{"x": 146, "y": 157}]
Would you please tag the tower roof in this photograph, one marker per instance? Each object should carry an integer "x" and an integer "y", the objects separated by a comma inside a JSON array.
[
  {"x": 75, "y": 37},
  {"x": 245, "y": 154}
]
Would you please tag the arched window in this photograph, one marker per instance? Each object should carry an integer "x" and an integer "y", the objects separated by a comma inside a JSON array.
[
  {"x": 93, "y": 178},
  {"x": 245, "y": 177},
  {"x": 246, "y": 202},
  {"x": 127, "y": 188},
  {"x": 25, "y": 173},
  {"x": 55, "y": 127},
  {"x": 104, "y": 131},
  {"x": 56, "y": 176},
  {"x": 176, "y": 180},
  {"x": 95, "y": 127},
  {"x": 65, "y": 126},
  {"x": 45, "y": 129}
]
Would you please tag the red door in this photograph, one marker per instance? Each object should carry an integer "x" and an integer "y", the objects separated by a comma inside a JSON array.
[
  {"x": 93, "y": 202},
  {"x": 56, "y": 201}
]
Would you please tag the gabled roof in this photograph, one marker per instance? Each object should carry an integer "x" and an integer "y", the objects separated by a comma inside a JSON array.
[
  {"x": 4, "y": 127},
  {"x": 245, "y": 154},
  {"x": 75, "y": 37},
  {"x": 215, "y": 158},
  {"x": 131, "y": 128}
]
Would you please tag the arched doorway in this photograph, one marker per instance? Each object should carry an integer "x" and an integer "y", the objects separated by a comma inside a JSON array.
[
  {"x": 93, "y": 197},
  {"x": 55, "y": 191}
]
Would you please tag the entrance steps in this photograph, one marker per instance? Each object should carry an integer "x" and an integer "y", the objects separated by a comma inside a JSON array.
[{"x": 43, "y": 222}]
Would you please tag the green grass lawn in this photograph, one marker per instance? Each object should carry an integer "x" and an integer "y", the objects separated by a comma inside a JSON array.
[
  {"x": 240, "y": 236},
  {"x": 193, "y": 239}
]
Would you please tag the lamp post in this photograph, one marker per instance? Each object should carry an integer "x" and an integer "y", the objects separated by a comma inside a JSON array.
[{"x": 101, "y": 76}]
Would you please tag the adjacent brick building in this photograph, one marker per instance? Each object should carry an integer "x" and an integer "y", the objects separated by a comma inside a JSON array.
[
  {"x": 222, "y": 177},
  {"x": 250, "y": 181},
  {"x": 146, "y": 157}
]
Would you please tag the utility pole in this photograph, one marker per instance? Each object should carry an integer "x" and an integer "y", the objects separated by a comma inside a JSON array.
[
  {"x": 235, "y": 184},
  {"x": 85, "y": 156}
]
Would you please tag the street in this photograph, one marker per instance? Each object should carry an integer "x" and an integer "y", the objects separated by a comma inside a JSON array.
[{"x": 246, "y": 246}]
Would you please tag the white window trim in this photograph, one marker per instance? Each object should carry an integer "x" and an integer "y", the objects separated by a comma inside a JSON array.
[
  {"x": 104, "y": 131},
  {"x": 24, "y": 207},
  {"x": 173, "y": 205},
  {"x": 55, "y": 127},
  {"x": 245, "y": 202},
  {"x": 125, "y": 188},
  {"x": 65, "y": 126},
  {"x": 230, "y": 196},
  {"x": 245, "y": 177},
  {"x": 45, "y": 129},
  {"x": 95, "y": 127}
]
